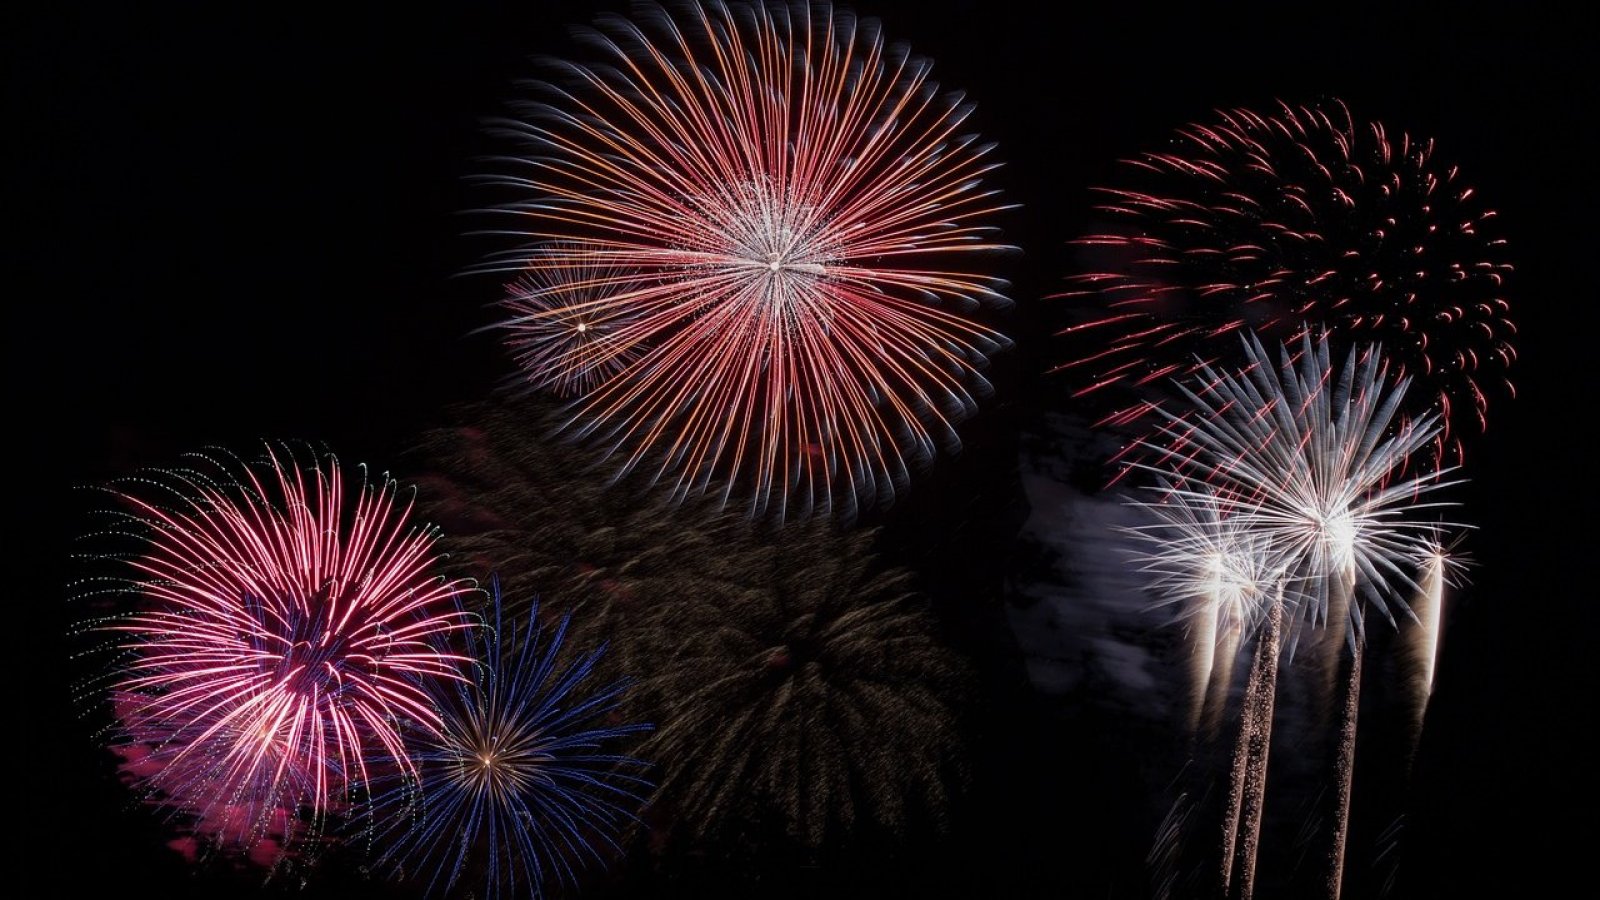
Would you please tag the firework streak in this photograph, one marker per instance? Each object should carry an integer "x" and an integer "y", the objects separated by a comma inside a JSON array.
[{"x": 1344, "y": 771}]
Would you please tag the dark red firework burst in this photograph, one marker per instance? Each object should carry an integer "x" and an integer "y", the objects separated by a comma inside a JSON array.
[{"x": 1278, "y": 223}]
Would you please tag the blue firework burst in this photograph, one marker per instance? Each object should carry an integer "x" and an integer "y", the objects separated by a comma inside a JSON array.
[{"x": 522, "y": 787}]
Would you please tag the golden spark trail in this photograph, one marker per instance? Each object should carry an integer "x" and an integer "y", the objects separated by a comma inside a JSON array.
[
  {"x": 1256, "y": 742},
  {"x": 1344, "y": 771}
]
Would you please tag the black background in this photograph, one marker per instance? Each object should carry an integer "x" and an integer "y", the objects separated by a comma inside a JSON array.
[{"x": 237, "y": 222}]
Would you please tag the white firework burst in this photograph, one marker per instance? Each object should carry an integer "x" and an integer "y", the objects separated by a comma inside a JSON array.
[{"x": 1316, "y": 460}]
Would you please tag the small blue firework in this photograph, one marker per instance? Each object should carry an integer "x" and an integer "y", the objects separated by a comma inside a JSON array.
[{"x": 518, "y": 790}]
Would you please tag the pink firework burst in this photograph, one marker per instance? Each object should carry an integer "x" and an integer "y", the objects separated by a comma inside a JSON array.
[
  {"x": 797, "y": 208},
  {"x": 569, "y": 324},
  {"x": 1278, "y": 223},
  {"x": 285, "y": 629}
]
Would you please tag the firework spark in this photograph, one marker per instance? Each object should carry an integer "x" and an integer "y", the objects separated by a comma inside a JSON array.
[
  {"x": 794, "y": 204},
  {"x": 517, "y": 788},
  {"x": 1344, "y": 772},
  {"x": 565, "y": 329},
  {"x": 1266, "y": 222},
  {"x": 284, "y": 626}
]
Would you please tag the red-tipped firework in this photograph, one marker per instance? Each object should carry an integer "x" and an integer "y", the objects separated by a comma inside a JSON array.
[
  {"x": 1305, "y": 218},
  {"x": 804, "y": 231},
  {"x": 285, "y": 627}
]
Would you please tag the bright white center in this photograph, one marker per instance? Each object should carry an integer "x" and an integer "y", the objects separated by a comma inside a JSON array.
[
  {"x": 771, "y": 235},
  {"x": 1339, "y": 532},
  {"x": 1230, "y": 581}
]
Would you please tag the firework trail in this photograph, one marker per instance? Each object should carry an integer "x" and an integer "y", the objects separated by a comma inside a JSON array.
[
  {"x": 1428, "y": 608},
  {"x": 819, "y": 701},
  {"x": 1344, "y": 771},
  {"x": 1216, "y": 637},
  {"x": 564, "y": 328},
  {"x": 1310, "y": 459},
  {"x": 1165, "y": 851},
  {"x": 517, "y": 788},
  {"x": 796, "y": 210},
  {"x": 1440, "y": 570},
  {"x": 1227, "y": 572},
  {"x": 1247, "y": 789},
  {"x": 284, "y": 627},
  {"x": 1264, "y": 222}
]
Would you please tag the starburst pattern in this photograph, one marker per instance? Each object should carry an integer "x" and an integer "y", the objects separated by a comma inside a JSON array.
[
  {"x": 796, "y": 208},
  {"x": 1220, "y": 574},
  {"x": 522, "y": 785},
  {"x": 1313, "y": 459},
  {"x": 284, "y": 626},
  {"x": 566, "y": 326}
]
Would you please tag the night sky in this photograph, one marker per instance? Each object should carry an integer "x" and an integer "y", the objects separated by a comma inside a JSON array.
[{"x": 238, "y": 223}]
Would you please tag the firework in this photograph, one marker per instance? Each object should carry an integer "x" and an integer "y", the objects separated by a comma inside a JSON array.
[
  {"x": 1219, "y": 572},
  {"x": 1247, "y": 790},
  {"x": 1224, "y": 573},
  {"x": 518, "y": 787},
  {"x": 1267, "y": 222},
  {"x": 1313, "y": 459},
  {"x": 284, "y": 626},
  {"x": 819, "y": 700},
  {"x": 1441, "y": 569},
  {"x": 796, "y": 210},
  {"x": 1428, "y": 608},
  {"x": 565, "y": 334}
]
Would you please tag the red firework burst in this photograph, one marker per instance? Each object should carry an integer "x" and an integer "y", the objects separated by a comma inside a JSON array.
[
  {"x": 791, "y": 201},
  {"x": 1281, "y": 223},
  {"x": 284, "y": 632}
]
